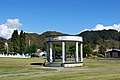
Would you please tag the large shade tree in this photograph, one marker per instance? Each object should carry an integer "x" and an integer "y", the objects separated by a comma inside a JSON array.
[{"x": 87, "y": 49}]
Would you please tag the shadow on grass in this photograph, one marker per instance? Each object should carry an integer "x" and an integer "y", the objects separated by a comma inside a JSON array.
[{"x": 36, "y": 63}]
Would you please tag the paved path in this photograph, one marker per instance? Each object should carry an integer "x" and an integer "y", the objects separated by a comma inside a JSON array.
[
  {"x": 58, "y": 69},
  {"x": 20, "y": 74},
  {"x": 62, "y": 69}
]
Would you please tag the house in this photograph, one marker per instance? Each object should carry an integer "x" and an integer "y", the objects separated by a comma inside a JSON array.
[
  {"x": 113, "y": 53},
  {"x": 41, "y": 53}
]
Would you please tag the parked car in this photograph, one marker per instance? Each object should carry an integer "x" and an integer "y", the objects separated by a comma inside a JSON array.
[{"x": 43, "y": 53}]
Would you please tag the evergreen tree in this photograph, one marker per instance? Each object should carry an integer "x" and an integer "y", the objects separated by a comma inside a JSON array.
[
  {"x": 15, "y": 40},
  {"x": 10, "y": 46},
  {"x": 22, "y": 42}
]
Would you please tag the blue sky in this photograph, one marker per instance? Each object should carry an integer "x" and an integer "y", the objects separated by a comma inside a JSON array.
[{"x": 66, "y": 16}]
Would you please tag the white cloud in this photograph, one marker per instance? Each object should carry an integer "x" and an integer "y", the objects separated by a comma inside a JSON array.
[
  {"x": 8, "y": 27},
  {"x": 102, "y": 27},
  {"x": 13, "y": 23}
]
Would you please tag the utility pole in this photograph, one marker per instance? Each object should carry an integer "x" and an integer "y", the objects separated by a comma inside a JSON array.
[{"x": 29, "y": 42}]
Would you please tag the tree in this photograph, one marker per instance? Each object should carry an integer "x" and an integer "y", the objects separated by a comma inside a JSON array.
[
  {"x": 71, "y": 49},
  {"x": 58, "y": 49},
  {"x": 22, "y": 42},
  {"x": 15, "y": 42},
  {"x": 102, "y": 50},
  {"x": 10, "y": 46},
  {"x": 2, "y": 48},
  {"x": 87, "y": 49},
  {"x": 32, "y": 48}
]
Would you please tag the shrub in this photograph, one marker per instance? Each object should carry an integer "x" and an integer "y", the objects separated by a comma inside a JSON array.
[
  {"x": 94, "y": 56},
  {"x": 100, "y": 55},
  {"x": 90, "y": 56}
]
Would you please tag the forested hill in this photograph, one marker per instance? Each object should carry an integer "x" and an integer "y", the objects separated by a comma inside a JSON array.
[
  {"x": 40, "y": 39},
  {"x": 2, "y": 39},
  {"x": 108, "y": 38},
  {"x": 31, "y": 38}
]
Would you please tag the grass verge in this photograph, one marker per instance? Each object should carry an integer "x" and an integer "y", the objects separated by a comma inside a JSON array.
[{"x": 109, "y": 70}]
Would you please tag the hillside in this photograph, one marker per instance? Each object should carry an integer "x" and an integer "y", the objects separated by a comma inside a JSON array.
[
  {"x": 2, "y": 39},
  {"x": 32, "y": 38},
  {"x": 108, "y": 38},
  {"x": 40, "y": 39}
]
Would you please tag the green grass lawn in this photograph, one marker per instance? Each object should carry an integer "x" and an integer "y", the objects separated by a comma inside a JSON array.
[
  {"x": 109, "y": 70},
  {"x": 81, "y": 75},
  {"x": 17, "y": 65}
]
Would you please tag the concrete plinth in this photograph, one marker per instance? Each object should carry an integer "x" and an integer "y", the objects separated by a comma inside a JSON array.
[{"x": 77, "y": 64}]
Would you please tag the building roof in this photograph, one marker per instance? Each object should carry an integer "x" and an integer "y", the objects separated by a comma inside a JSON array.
[{"x": 113, "y": 50}]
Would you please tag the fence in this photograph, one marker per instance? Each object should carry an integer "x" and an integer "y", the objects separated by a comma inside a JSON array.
[{"x": 15, "y": 56}]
